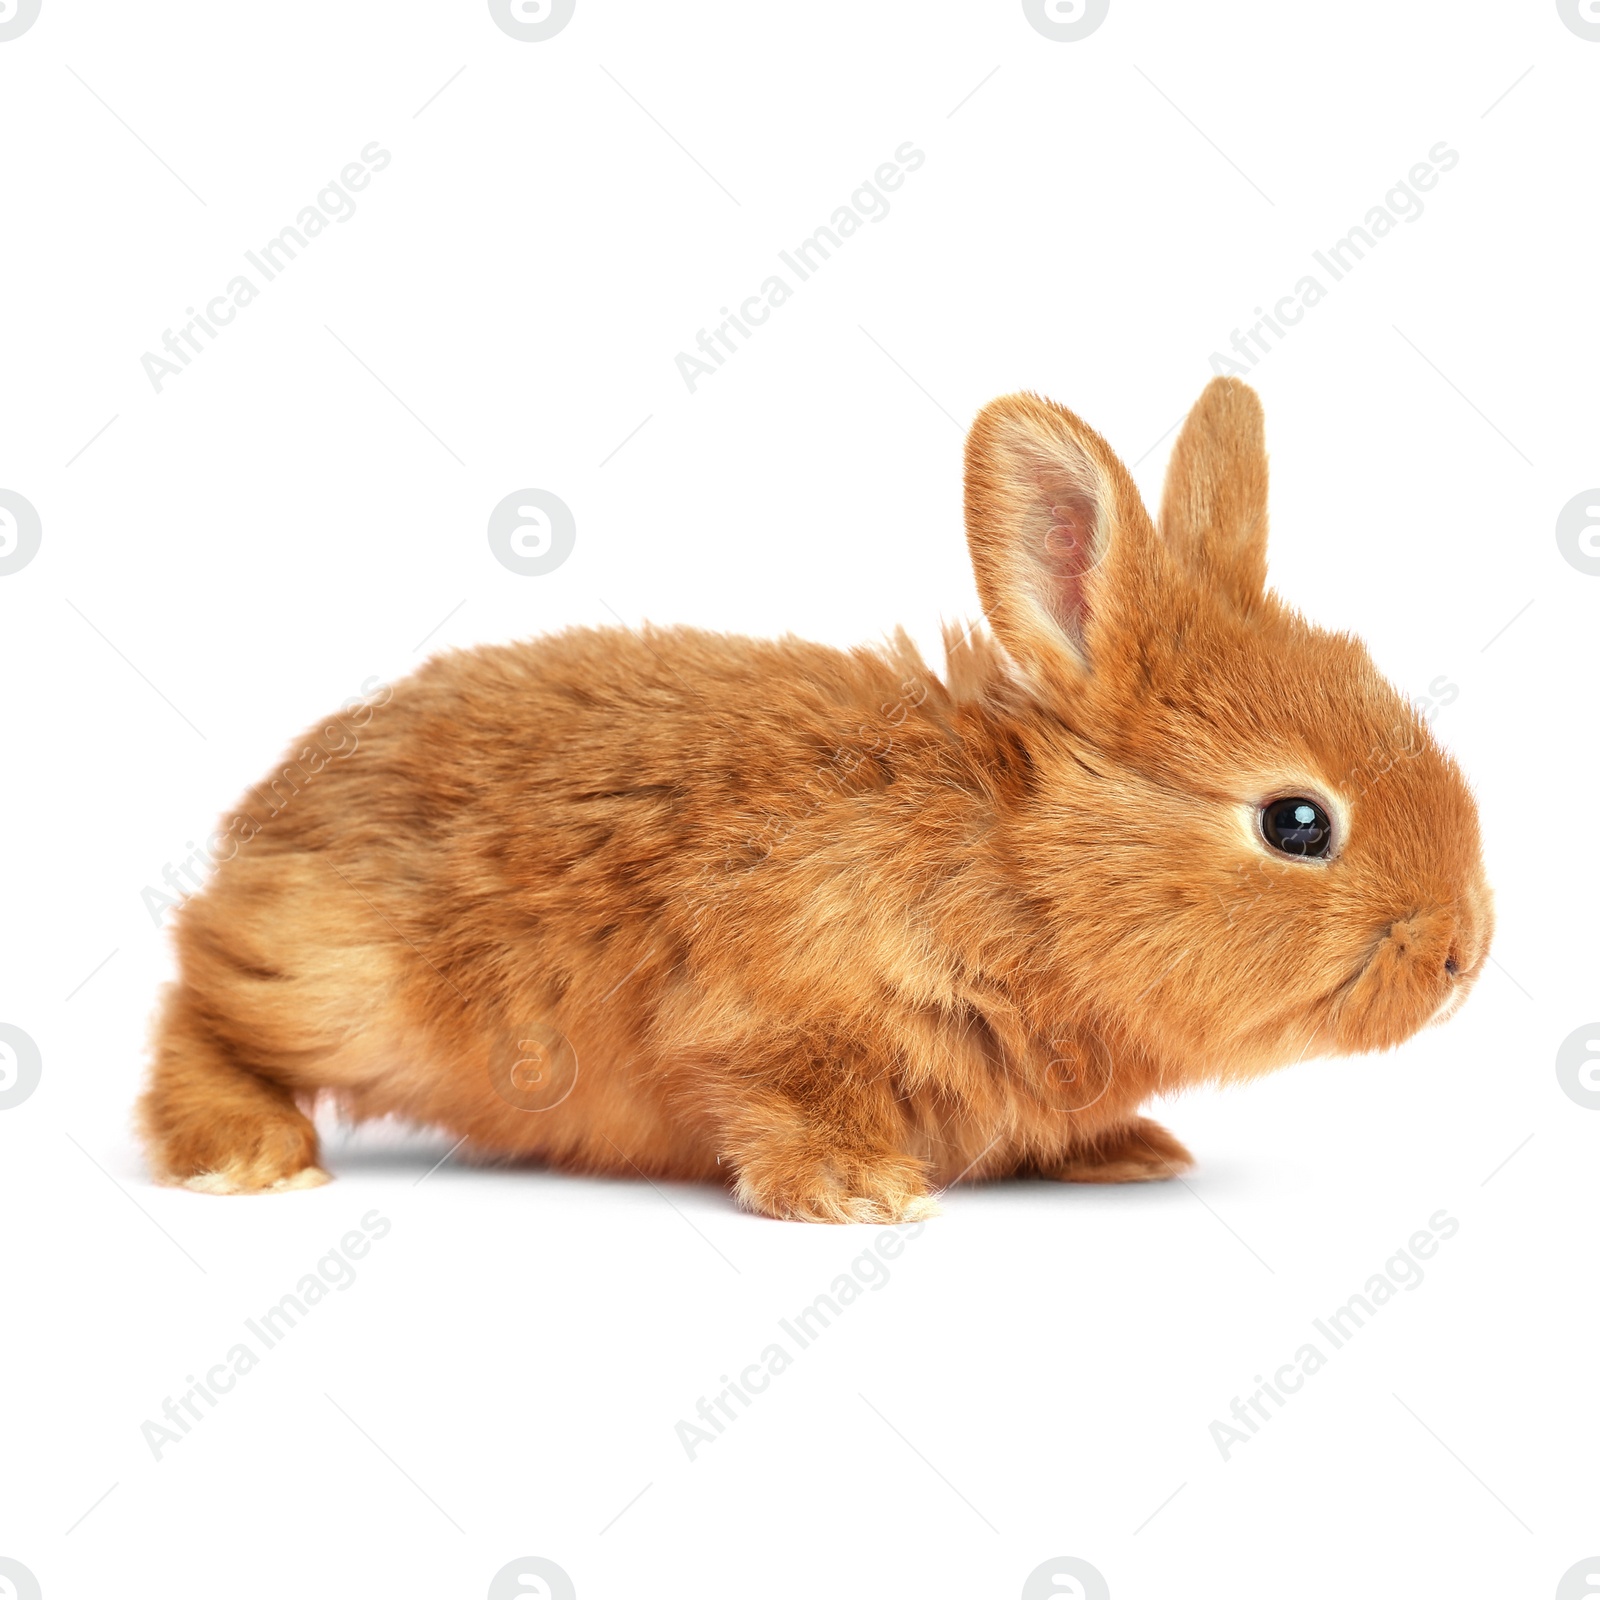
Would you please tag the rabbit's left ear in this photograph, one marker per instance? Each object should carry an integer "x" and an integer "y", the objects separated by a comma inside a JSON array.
[
  {"x": 1214, "y": 507},
  {"x": 1062, "y": 548}
]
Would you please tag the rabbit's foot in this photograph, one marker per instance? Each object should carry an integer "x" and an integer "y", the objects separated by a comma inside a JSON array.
[
  {"x": 245, "y": 1181},
  {"x": 841, "y": 1186},
  {"x": 1137, "y": 1152},
  {"x": 213, "y": 1124},
  {"x": 213, "y": 1148}
]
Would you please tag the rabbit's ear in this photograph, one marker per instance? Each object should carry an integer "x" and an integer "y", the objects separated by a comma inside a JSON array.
[
  {"x": 1060, "y": 540},
  {"x": 1214, "y": 506}
]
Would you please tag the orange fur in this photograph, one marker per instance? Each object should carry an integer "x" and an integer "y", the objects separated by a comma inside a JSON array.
[{"x": 819, "y": 923}]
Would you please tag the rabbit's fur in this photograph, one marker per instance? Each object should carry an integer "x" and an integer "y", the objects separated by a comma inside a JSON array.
[{"x": 820, "y": 924}]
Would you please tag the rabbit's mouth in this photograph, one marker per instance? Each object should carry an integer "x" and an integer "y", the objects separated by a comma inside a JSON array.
[{"x": 1416, "y": 974}]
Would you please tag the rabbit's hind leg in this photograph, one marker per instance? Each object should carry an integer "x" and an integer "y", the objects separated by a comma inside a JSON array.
[{"x": 212, "y": 1123}]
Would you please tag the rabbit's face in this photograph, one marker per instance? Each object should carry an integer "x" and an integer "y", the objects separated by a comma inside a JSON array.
[
  {"x": 1255, "y": 877},
  {"x": 1348, "y": 873},
  {"x": 1403, "y": 901},
  {"x": 1251, "y": 845}
]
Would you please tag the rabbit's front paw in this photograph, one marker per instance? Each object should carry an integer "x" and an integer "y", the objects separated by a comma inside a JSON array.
[
  {"x": 840, "y": 1187},
  {"x": 1138, "y": 1152}
]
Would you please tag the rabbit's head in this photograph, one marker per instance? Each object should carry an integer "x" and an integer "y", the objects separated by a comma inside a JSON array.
[{"x": 1248, "y": 845}]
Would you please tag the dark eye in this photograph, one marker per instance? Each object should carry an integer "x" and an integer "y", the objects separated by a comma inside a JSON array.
[{"x": 1297, "y": 826}]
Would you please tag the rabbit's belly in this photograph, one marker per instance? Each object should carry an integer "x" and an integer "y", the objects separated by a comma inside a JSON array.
[{"x": 581, "y": 1108}]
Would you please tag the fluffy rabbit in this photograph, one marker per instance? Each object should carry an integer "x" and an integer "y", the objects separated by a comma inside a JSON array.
[{"x": 820, "y": 925}]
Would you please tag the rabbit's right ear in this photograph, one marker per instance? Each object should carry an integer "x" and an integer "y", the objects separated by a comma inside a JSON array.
[
  {"x": 1214, "y": 506},
  {"x": 1062, "y": 546}
]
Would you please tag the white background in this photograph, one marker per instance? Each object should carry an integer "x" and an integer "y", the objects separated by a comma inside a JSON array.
[{"x": 232, "y": 557}]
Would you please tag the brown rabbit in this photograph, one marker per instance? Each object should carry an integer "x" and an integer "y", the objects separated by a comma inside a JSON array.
[{"x": 819, "y": 924}]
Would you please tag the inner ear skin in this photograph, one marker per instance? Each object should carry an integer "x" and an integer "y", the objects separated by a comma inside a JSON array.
[{"x": 1067, "y": 551}]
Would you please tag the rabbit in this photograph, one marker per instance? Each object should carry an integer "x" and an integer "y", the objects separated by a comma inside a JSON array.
[{"x": 827, "y": 927}]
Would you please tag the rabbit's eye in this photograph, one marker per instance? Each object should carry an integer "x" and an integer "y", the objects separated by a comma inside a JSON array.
[{"x": 1297, "y": 826}]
